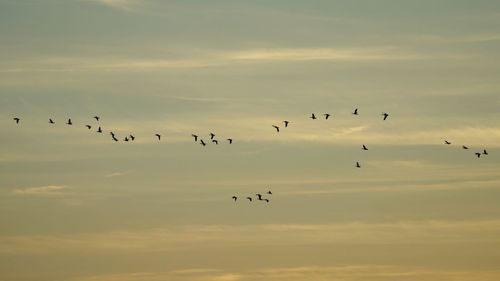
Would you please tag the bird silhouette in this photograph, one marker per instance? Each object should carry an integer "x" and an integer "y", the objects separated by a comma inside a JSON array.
[
  {"x": 212, "y": 136},
  {"x": 447, "y": 142},
  {"x": 132, "y": 137},
  {"x": 51, "y": 121},
  {"x": 111, "y": 133},
  {"x": 235, "y": 198},
  {"x": 265, "y": 199},
  {"x": 259, "y": 196},
  {"x": 326, "y": 116},
  {"x": 357, "y": 165},
  {"x": 355, "y": 111},
  {"x": 195, "y": 137},
  {"x": 385, "y": 115},
  {"x": 202, "y": 143},
  {"x": 114, "y": 138},
  {"x": 269, "y": 192},
  {"x": 464, "y": 147},
  {"x": 277, "y": 128},
  {"x": 215, "y": 141},
  {"x": 69, "y": 122},
  {"x": 364, "y": 147},
  {"x": 312, "y": 116},
  {"x": 125, "y": 139},
  {"x": 16, "y": 119},
  {"x": 485, "y": 152},
  {"x": 249, "y": 199},
  {"x": 96, "y": 118},
  {"x": 230, "y": 141},
  {"x": 158, "y": 136},
  {"x": 88, "y": 126},
  {"x": 478, "y": 154},
  {"x": 286, "y": 123},
  {"x": 99, "y": 130}
]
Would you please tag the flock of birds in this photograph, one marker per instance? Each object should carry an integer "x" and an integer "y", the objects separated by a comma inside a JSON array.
[{"x": 215, "y": 141}]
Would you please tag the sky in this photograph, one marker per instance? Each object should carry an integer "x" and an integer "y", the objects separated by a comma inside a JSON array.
[{"x": 77, "y": 206}]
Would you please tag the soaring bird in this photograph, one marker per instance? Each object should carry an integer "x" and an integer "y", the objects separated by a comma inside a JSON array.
[
  {"x": 202, "y": 143},
  {"x": 259, "y": 196},
  {"x": 88, "y": 126},
  {"x": 230, "y": 141},
  {"x": 125, "y": 139},
  {"x": 312, "y": 116},
  {"x": 212, "y": 136},
  {"x": 364, "y": 147},
  {"x": 357, "y": 165},
  {"x": 99, "y": 130},
  {"x": 464, "y": 147},
  {"x": 355, "y": 111},
  {"x": 277, "y": 128},
  {"x": 485, "y": 152},
  {"x": 51, "y": 121},
  {"x": 326, "y": 116},
  {"x": 385, "y": 115},
  {"x": 132, "y": 137},
  {"x": 158, "y": 136},
  {"x": 195, "y": 137},
  {"x": 16, "y": 119},
  {"x": 69, "y": 122},
  {"x": 447, "y": 142},
  {"x": 478, "y": 154},
  {"x": 269, "y": 192},
  {"x": 286, "y": 123},
  {"x": 215, "y": 141},
  {"x": 235, "y": 198},
  {"x": 249, "y": 199},
  {"x": 96, "y": 118}
]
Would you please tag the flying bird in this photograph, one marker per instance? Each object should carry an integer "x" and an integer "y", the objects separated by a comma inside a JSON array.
[
  {"x": 464, "y": 147},
  {"x": 215, "y": 141},
  {"x": 51, "y": 121},
  {"x": 312, "y": 116},
  {"x": 385, "y": 115},
  {"x": 125, "y": 139},
  {"x": 132, "y": 137},
  {"x": 212, "y": 136},
  {"x": 111, "y": 133},
  {"x": 88, "y": 126},
  {"x": 230, "y": 141},
  {"x": 202, "y": 143},
  {"x": 259, "y": 196},
  {"x": 235, "y": 198},
  {"x": 269, "y": 192},
  {"x": 69, "y": 122},
  {"x": 267, "y": 200},
  {"x": 478, "y": 154},
  {"x": 286, "y": 123},
  {"x": 96, "y": 118},
  {"x": 16, "y": 119},
  {"x": 99, "y": 130},
  {"x": 115, "y": 139},
  {"x": 249, "y": 199},
  {"x": 485, "y": 152},
  {"x": 277, "y": 128},
  {"x": 447, "y": 142},
  {"x": 158, "y": 136},
  {"x": 326, "y": 116},
  {"x": 195, "y": 137},
  {"x": 364, "y": 147},
  {"x": 355, "y": 111},
  {"x": 357, "y": 165}
]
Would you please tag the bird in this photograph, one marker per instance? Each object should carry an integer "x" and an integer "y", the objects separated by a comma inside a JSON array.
[
  {"x": 357, "y": 165},
  {"x": 96, "y": 118},
  {"x": 267, "y": 200},
  {"x": 212, "y": 136},
  {"x": 69, "y": 122},
  {"x": 478, "y": 154},
  {"x": 249, "y": 199},
  {"x": 259, "y": 196},
  {"x": 326, "y": 116},
  {"x": 215, "y": 141},
  {"x": 447, "y": 142},
  {"x": 235, "y": 198},
  {"x": 202, "y": 143},
  {"x": 230, "y": 141},
  {"x": 355, "y": 111},
  {"x": 277, "y": 128},
  {"x": 269, "y": 192},
  {"x": 132, "y": 137},
  {"x": 125, "y": 139},
  {"x": 364, "y": 147},
  {"x": 286, "y": 123},
  {"x": 385, "y": 115},
  {"x": 99, "y": 130},
  {"x": 485, "y": 152},
  {"x": 51, "y": 121},
  {"x": 88, "y": 126},
  {"x": 158, "y": 135},
  {"x": 16, "y": 119},
  {"x": 115, "y": 139},
  {"x": 111, "y": 133},
  {"x": 195, "y": 137},
  {"x": 312, "y": 116},
  {"x": 464, "y": 147}
]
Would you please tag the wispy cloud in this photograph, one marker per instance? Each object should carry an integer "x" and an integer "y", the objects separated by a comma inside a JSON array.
[
  {"x": 125, "y": 5},
  {"x": 117, "y": 174},
  {"x": 48, "y": 190}
]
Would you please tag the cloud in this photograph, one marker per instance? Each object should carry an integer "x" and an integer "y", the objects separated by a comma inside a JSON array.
[
  {"x": 48, "y": 190},
  {"x": 125, "y": 5},
  {"x": 117, "y": 174}
]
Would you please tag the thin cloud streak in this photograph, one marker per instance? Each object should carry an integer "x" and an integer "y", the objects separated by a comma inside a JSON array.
[{"x": 49, "y": 190}]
